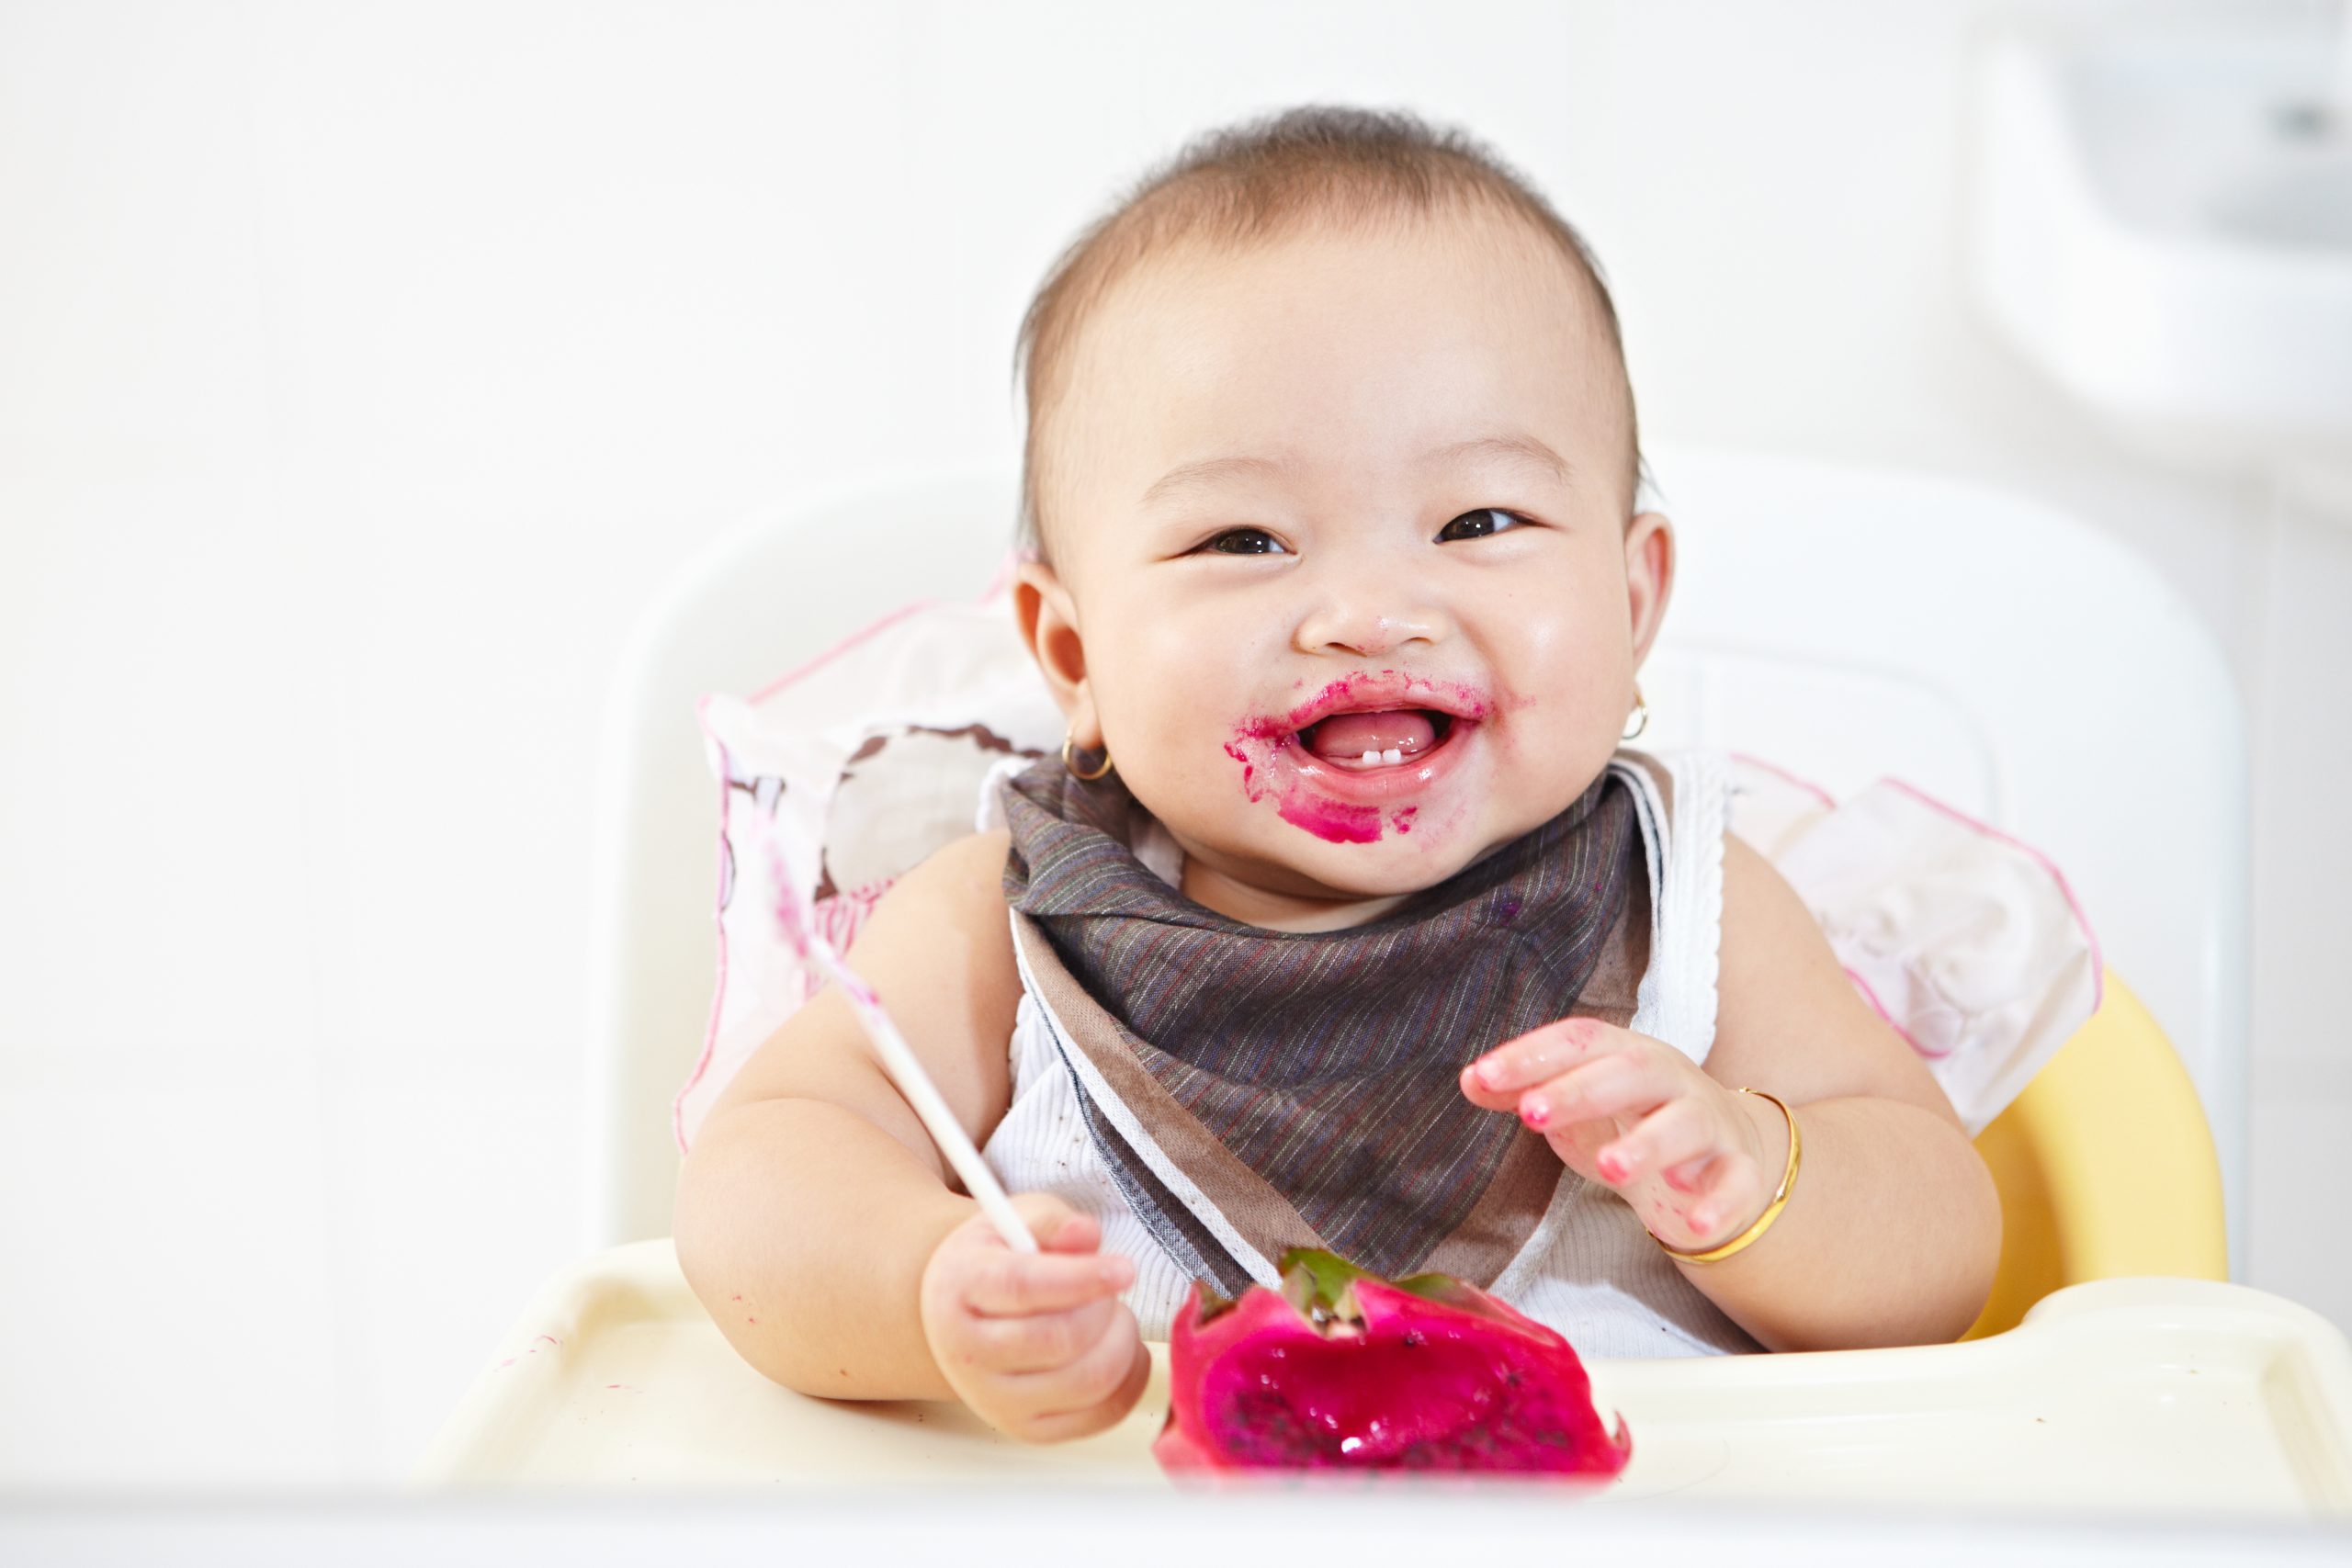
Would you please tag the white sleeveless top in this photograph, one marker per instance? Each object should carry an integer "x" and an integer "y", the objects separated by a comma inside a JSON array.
[{"x": 1590, "y": 1271}]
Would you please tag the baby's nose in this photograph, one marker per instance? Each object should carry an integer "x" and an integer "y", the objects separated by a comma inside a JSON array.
[{"x": 1371, "y": 613}]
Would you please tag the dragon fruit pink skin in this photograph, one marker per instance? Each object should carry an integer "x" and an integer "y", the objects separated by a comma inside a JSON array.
[{"x": 1342, "y": 1370}]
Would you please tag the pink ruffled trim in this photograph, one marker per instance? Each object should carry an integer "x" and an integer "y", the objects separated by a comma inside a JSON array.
[
  {"x": 1004, "y": 570},
  {"x": 718, "y": 925},
  {"x": 2065, "y": 890},
  {"x": 802, "y": 672},
  {"x": 1870, "y": 996},
  {"x": 1811, "y": 788},
  {"x": 2074, "y": 906}
]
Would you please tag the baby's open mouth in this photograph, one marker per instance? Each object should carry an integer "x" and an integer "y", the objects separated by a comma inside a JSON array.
[
  {"x": 1360, "y": 758},
  {"x": 1386, "y": 738}
]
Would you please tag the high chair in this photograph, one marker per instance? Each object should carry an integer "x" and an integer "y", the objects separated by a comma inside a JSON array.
[
  {"x": 1843, "y": 624},
  {"x": 2105, "y": 1167}
]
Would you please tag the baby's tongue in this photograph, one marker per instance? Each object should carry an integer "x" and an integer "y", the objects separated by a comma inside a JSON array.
[{"x": 1350, "y": 735}]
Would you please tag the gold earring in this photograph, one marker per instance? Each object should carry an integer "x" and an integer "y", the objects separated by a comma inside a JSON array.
[
  {"x": 1641, "y": 718},
  {"x": 1087, "y": 778}
]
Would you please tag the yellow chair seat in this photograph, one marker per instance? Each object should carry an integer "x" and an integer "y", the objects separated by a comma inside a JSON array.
[{"x": 2105, "y": 1166}]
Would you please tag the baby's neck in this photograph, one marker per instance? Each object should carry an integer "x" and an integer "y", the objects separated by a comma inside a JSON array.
[{"x": 1276, "y": 910}]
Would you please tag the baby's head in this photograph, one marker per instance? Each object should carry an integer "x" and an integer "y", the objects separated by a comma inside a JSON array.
[{"x": 1330, "y": 482}]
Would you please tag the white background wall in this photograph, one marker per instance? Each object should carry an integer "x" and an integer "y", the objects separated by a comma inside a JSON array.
[{"x": 363, "y": 368}]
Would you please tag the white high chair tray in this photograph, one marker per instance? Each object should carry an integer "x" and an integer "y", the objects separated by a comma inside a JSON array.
[{"x": 2124, "y": 1395}]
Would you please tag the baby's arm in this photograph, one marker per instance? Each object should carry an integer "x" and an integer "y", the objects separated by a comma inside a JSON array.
[
  {"x": 1891, "y": 1231},
  {"x": 815, "y": 1218}
]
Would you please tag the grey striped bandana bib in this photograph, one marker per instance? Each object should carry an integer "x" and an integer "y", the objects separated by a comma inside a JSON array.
[{"x": 1252, "y": 1090}]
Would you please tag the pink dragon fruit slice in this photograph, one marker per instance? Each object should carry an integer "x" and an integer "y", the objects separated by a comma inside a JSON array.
[{"x": 1341, "y": 1369}]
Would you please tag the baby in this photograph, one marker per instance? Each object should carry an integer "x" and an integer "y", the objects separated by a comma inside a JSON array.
[{"x": 1343, "y": 918}]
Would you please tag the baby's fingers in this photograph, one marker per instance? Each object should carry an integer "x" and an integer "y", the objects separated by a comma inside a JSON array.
[
  {"x": 1041, "y": 1342},
  {"x": 1730, "y": 1195},
  {"x": 1103, "y": 1381},
  {"x": 1623, "y": 1083},
  {"x": 1067, "y": 1232},
  {"x": 1676, "y": 1132},
  {"x": 1068, "y": 1426},
  {"x": 1013, "y": 1284},
  {"x": 1690, "y": 1175},
  {"x": 1494, "y": 1080}
]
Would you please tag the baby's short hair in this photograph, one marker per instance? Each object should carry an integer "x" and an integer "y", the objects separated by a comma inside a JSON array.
[{"x": 1258, "y": 181}]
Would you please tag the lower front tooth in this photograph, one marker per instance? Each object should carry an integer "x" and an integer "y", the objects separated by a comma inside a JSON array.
[
  {"x": 1391, "y": 756},
  {"x": 1369, "y": 758}
]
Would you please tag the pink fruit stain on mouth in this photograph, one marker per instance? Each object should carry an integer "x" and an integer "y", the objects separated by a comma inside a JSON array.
[
  {"x": 1334, "y": 821},
  {"x": 1262, "y": 746},
  {"x": 1331, "y": 820},
  {"x": 1236, "y": 750}
]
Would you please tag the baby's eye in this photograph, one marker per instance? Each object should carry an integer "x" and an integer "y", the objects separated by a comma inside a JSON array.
[
  {"x": 1245, "y": 541},
  {"x": 1479, "y": 525}
]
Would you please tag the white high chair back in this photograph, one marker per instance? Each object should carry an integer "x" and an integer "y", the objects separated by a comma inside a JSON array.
[{"x": 1843, "y": 624}]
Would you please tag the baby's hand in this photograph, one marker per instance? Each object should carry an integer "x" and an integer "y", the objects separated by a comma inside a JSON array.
[
  {"x": 1040, "y": 1347},
  {"x": 1636, "y": 1115}
]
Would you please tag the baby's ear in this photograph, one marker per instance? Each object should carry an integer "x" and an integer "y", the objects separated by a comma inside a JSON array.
[
  {"x": 1047, "y": 617},
  {"x": 1649, "y": 577}
]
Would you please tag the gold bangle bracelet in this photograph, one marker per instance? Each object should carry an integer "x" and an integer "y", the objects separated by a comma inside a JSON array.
[{"x": 1771, "y": 1210}]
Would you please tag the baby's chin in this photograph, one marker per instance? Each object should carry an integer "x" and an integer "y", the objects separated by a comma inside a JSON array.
[
  {"x": 1386, "y": 868},
  {"x": 1345, "y": 862}
]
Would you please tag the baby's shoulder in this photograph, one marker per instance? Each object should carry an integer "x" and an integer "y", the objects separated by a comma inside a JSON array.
[
  {"x": 942, "y": 927},
  {"x": 964, "y": 867},
  {"x": 1768, "y": 933},
  {"x": 957, "y": 889},
  {"x": 1787, "y": 1015}
]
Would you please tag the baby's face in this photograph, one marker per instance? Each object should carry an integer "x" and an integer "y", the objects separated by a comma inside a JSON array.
[{"x": 1342, "y": 573}]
